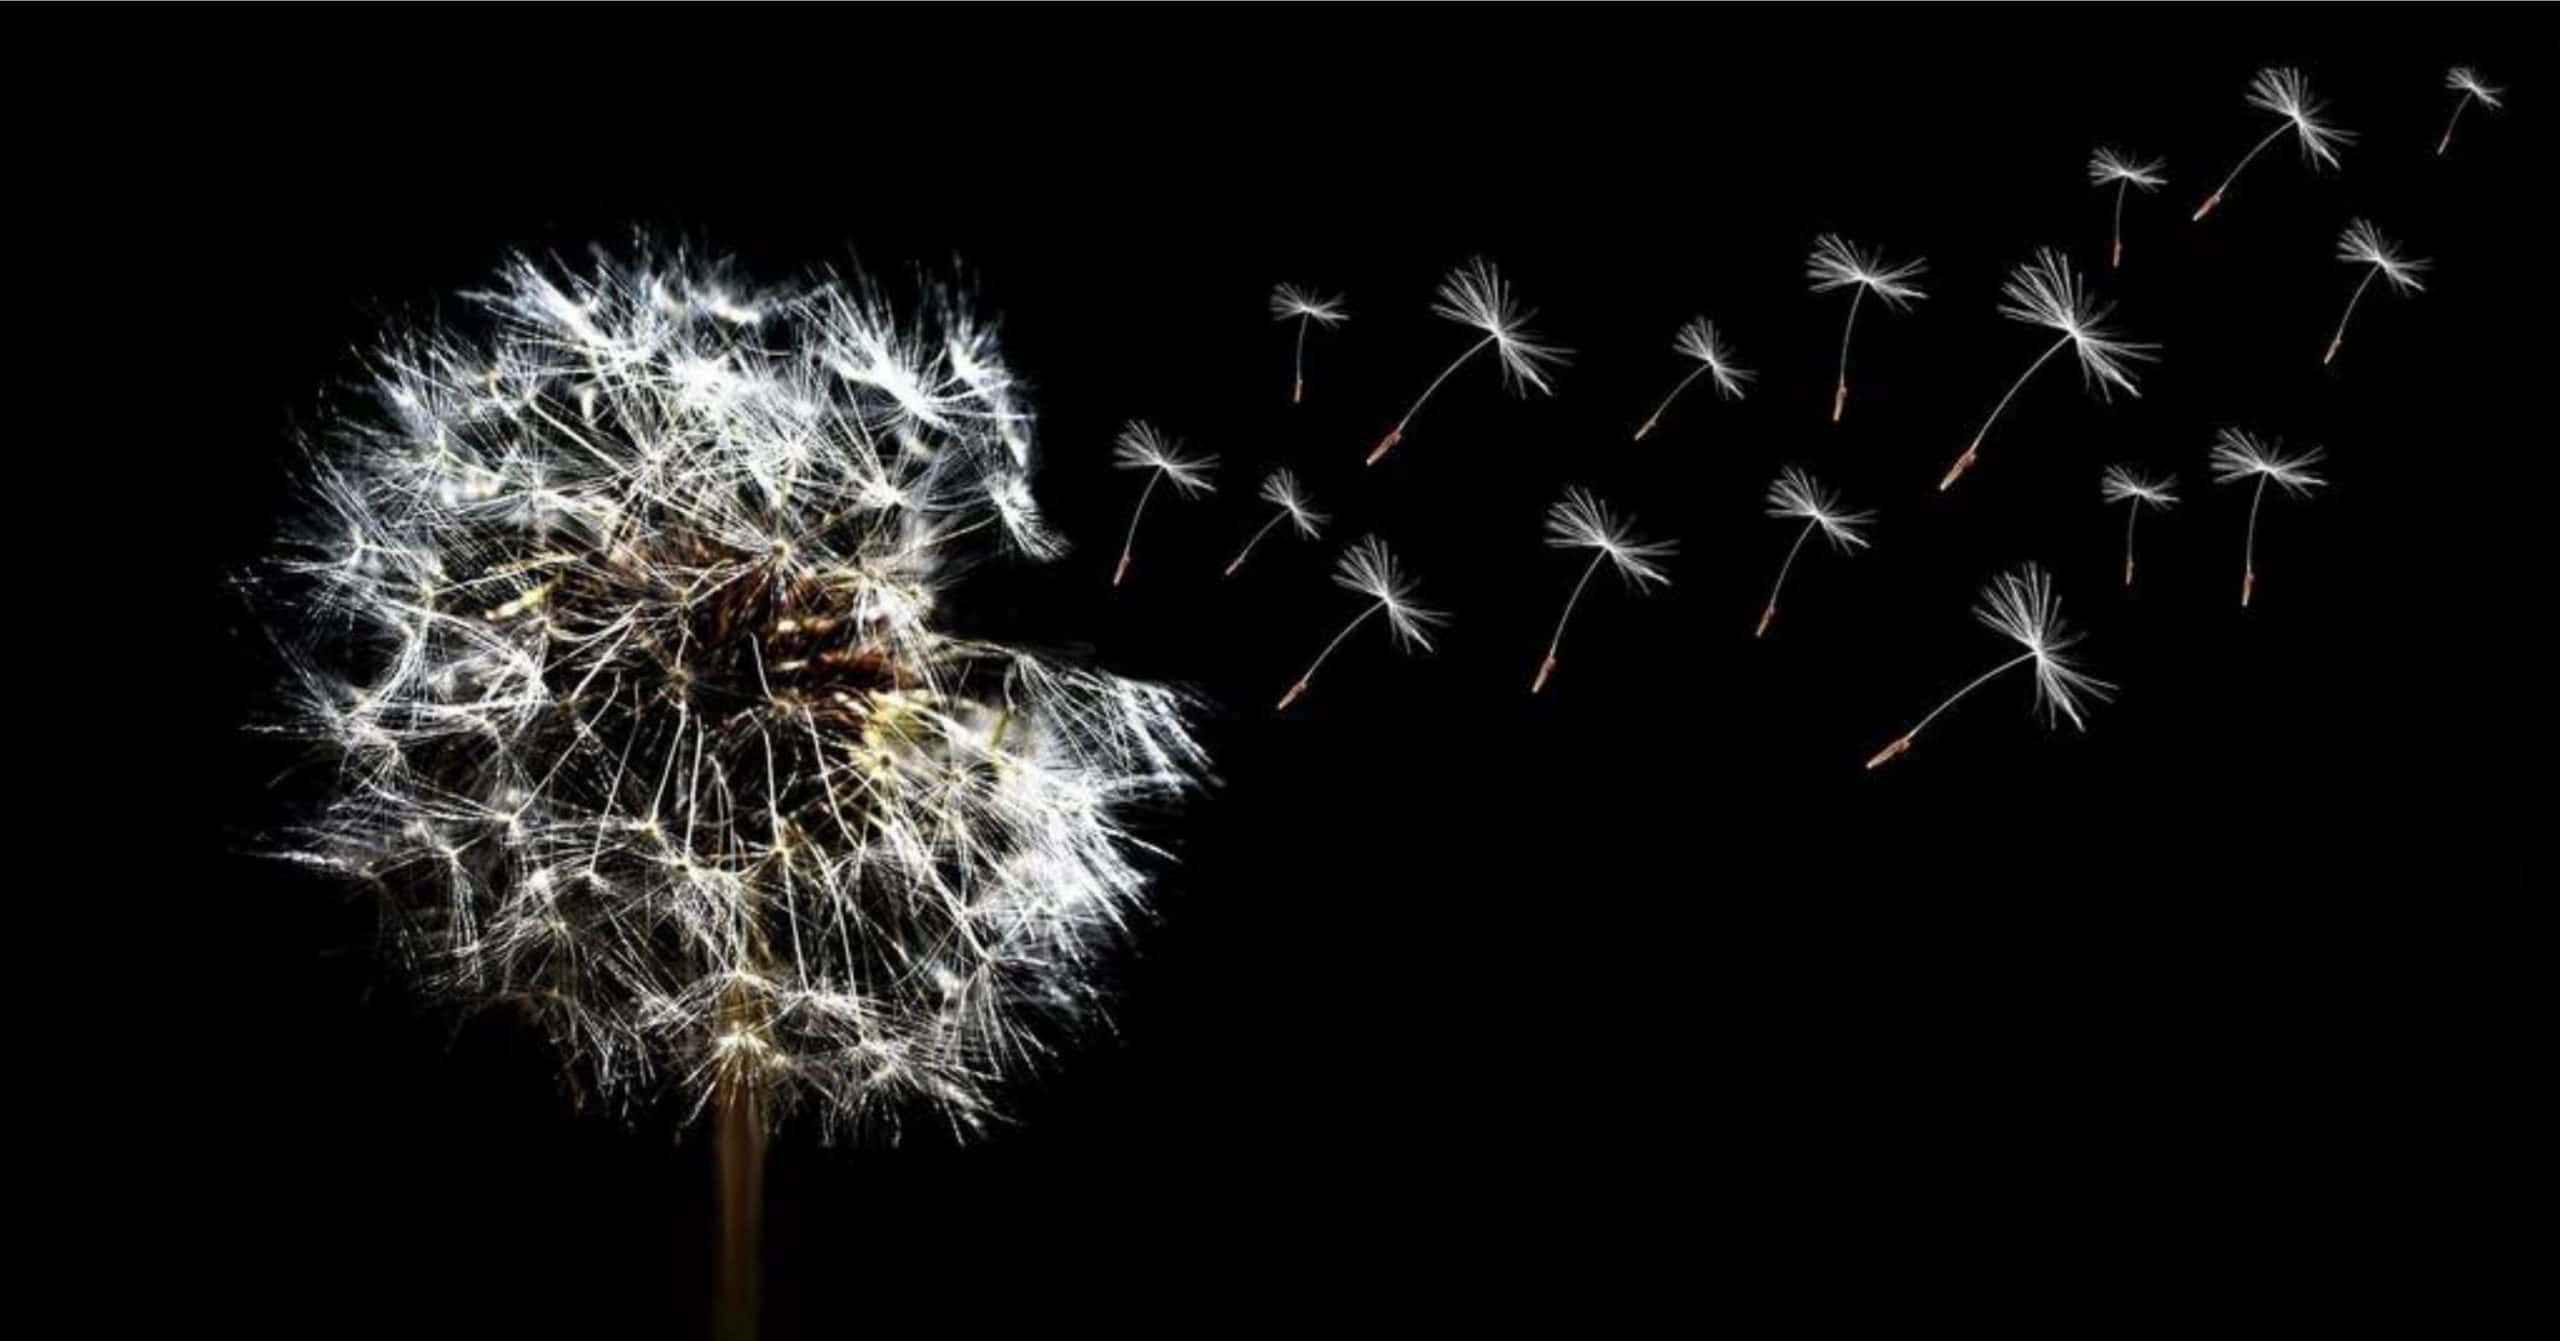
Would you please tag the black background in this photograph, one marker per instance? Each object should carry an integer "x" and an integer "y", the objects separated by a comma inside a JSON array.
[{"x": 1637, "y": 988}]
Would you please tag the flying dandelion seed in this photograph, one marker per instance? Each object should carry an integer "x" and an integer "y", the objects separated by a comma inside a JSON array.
[
  {"x": 1141, "y": 447},
  {"x": 2021, "y": 607},
  {"x": 2120, "y": 485},
  {"x": 1367, "y": 568},
  {"x": 619, "y": 615},
  {"x": 1841, "y": 265},
  {"x": 1280, "y": 489},
  {"x": 1700, "y": 341},
  {"x": 2363, "y": 244},
  {"x": 2045, "y": 292},
  {"x": 1290, "y": 303},
  {"x": 2237, "y": 456},
  {"x": 2124, "y": 173},
  {"x": 1794, "y": 495},
  {"x": 1581, "y": 521},
  {"x": 2288, "y": 95},
  {"x": 1474, "y": 295},
  {"x": 2461, "y": 79}
]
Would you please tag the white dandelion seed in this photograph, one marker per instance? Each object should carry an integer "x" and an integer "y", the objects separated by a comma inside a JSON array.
[
  {"x": 621, "y": 615},
  {"x": 2285, "y": 93},
  {"x": 2045, "y": 292},
  {"x": 1836, "y": 264},
  {"x": 1280, "y": 489},
  {"x": 2463, "y": 80},
  {"x": 1581, "y": 521},
  {"x": 2123, "y": 172},
  {"x": 1701, "y": 341},
  {"x": 1291, "y": 303},
  {"x": 1795, "y": 496},
  {"x": 2121, "y": 485},
  {"x": 1474, "y": 295},
  {"x": 1369, "y": 569},
  {"x": 2021, "y": 607},
  {"x": 2238, "y": 456},
  {"x": 2363, "y": 244},
  {"x": 1141, "y": 447}
]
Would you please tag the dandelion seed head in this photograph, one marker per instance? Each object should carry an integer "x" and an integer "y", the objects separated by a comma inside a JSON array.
[
  {"x": 1141, "y": 446},
  {"x": 2364, "y": 244},
  {"x": 2021, "y": 606},
  {"x": 2108, "y": 167},
  {"x": 2046, "y": 292},
  {"x": 2120, "y": 484},
  {"x": 617, "y": 615},
  {"x": 2238, "y": 455},
  {"x": 1476, "y": 295},
  {"x": 2463, "y": 79},
  {"x": 1289, "y": 302},
  {"x": 1581, "y": 521},
  {"x": 1795, "y": 494},
  {"x": 1371, "y": 570},
  {"x": 1700, "y": 340},
  {"x": 1280, "y": 488},
  {"x": 2287, "y": 94},
  {"x": 1838, "y": 264}
]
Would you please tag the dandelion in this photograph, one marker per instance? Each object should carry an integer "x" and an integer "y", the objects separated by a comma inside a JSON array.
[
  {"x": 2045, "y": 292},
  {"x": 2021, "y": 607},
  {"x": 2120, "y": 485},
  {"x": 2288, "y": 95},
  {"x": 1842, "y": 265},
  {"x": 2464, "y": 81},
  {"x": 2238, "y": 456},
  {"x": 1291, "y": 303},
  {"x": 1795, "y": 495},
  {"x": 1367, "y": 568},
  {"x": 2109, "y": 168},
  {"x": 2363, "y": 244},
  {"x": 1141, "y": 447},
  {"x": 1280, "y": 489},
  {"x": 1581, "y": 521},
  {"x": 1474, "y": 295},
  {"x": 1699, "y": 340},
  {"x": 622, "y": 612}
]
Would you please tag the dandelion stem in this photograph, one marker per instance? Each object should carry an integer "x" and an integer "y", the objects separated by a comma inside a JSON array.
[
  {"x": 2451, "y": 121},
  {"x": 1257, "y": 539},
  {"x": 1675, "y": 395},
  {"x": 1396, "y": 434},
  {"x": 1548, "y": 667},
  {"x": 2341, "y": 336},
  {"x": 1770, "y": 611},
  {"x": 739, "y": 1137},
  {"x": 1904, "y": 741},
  {"x": 1135, "y": 513},
  {"x": 1967, "y": 459},
  {"x": 2216, "y": 198},
  {"x": 2249, "y": 546},
  {"x": 1840, "y": 391},
  {"x": 1312, "y": 667}
]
